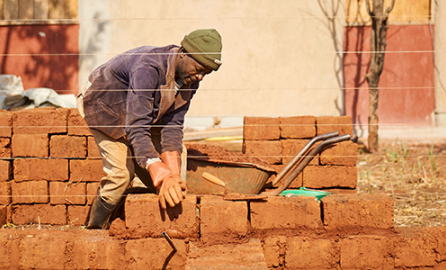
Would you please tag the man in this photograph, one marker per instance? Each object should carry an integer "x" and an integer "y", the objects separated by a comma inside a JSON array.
[{"x": 135, "y": 108}]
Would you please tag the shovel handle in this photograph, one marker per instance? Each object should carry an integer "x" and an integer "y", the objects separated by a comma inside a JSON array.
[{"x": 213, "y": 179}]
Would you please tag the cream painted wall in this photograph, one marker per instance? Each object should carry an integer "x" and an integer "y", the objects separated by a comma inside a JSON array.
[{"x": 279, "y": 57}]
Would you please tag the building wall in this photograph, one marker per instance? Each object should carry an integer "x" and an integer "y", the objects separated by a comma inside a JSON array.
[{"x": 280, "y": 58}]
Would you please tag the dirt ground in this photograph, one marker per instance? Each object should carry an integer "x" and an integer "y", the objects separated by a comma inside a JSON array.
[{"x": 413, "y": 174}]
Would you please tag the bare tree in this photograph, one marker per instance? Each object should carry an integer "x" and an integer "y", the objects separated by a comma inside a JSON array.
[{"x": 377, "y": 47}]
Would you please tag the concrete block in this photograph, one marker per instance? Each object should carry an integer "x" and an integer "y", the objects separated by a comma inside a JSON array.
[
  {"x": 261, "y": 128},
  {"x": 62, "y": 146},
  {"x": 43, "y": 213},
  {"x": 86, "y": 170},
  {"x": 286, "y": 213},
  {"x": 29, "y": 145},
  {"x": 267, "y": 151},
  {"x": 154, "y": 220},
  {"x": 297, "y": 127},
  {"x": 221, "y": 217},
  {"x": 40, "y": 169},
  {"x": 319, "y": 177},
  {"x": 358, "y": 211},
  {"x": 311, "y": 253},
  {"x": 29, "y": 192},
  {"x": 68, "y": 193}
]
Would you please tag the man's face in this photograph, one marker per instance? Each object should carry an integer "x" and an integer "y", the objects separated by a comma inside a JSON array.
[{"x": 189, "y": 71}]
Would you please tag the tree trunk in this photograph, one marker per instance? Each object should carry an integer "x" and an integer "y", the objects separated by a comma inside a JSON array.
[{"x": 377, "y": 47}]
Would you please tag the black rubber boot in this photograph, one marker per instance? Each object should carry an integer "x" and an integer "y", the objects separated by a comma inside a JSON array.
[{"x": 100, "y": 212}]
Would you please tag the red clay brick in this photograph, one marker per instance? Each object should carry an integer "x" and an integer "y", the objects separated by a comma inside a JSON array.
[
  {"x": 3, "y": 219},
  {"x": 290, "y": 148},
  {"x": 367, "y": 252},
  {"x": 5, "y": 193},
  {"x": 77, "y": 124},
  {"x": 48, "y": 214},
  {"x": 43, "y": 252},
  {"x": 29, "y": 192},
  {"x": 136, "y": 253},
  {"x": 343, "y": 153},
  {"x": 286, "y": 213},
  {"x": 68, "y": 146},
  {"x": 6, "y": 123},
  {"x": 67, "y": 193},
  {"x": 77, "y": 214},
  {"x": 326, "y": 124},
  {"x": 5, "y": 147},
  {"x": 86, "y": 170},
  {"x": 5, "y": 170},
  {"x": 319, "y": 177},
  {"x": 274, "y": 248},
  {"x": 153, "y": 220},
  {"x": 261, "y": 128},
  {"x": 40, "y": 169},
  {"x": 297, "y": 127},
  {"x": 29, "y": 145},
  {"x": 40, "y": 121},
  {"x": 414, "y": 249},
  {"x": 92, "y": 189},
  {"x": 308, "y": 253},
  {"x": 268, "y": 151},
  {"x": 93, "y": 150},
  {"x": 358, "y": 210},
  {"x": 92, "y": 252},
  {"x": 218, "y": 216}
]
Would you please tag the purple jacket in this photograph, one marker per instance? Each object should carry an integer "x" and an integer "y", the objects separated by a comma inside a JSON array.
[{"x": 133, "y": 94}]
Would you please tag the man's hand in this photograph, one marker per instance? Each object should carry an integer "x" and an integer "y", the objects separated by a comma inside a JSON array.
[{"x": 173, "y": 190}]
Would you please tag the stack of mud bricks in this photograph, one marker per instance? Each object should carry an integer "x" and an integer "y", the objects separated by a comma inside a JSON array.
[
  {"x": 50, "y": 167},
  {"x": 277, "y": 140}
]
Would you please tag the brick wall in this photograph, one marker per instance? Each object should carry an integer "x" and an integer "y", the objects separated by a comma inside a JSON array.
[
  {"x": 278, "y": 140},
  {"x": 50, "y": 166}
]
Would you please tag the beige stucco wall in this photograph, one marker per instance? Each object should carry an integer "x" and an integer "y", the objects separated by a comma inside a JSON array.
[{"x": 279, "y": 57}]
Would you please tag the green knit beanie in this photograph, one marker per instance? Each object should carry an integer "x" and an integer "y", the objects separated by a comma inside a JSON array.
[{"x": 204, "y": 45}]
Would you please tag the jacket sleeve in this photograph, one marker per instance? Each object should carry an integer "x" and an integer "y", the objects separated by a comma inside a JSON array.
[{"x": 143, "y": 83}]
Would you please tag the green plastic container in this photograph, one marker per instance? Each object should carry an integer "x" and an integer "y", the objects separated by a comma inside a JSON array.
[{"x": 303, "y": 191}]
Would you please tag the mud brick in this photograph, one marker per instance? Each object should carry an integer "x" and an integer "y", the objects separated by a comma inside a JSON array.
[
  {"x": 40, "y": 169},
  {"x": 154, "y": 220},
  {"x": 92, "y": 252},
  {"x": 342, "y": 124},
  {"x": 5, "y": 147},
  {"x": 367, "y": 252},
  {"x": 5, "y": 170},
  {"x": 297, "y": 182},
  {"x": 274, "y": 248},
  {"x": 286, "y": 213},
  {"x": 136, "y": 254},
  {"x": 29, "y": 145},
  {"x": 9, "y": 248},
  {"x": 43, "y": 251},
  {"x": 77, "y": 214},
  {"x": 290, "y": 148},
  {"x": 310, "y": 253},
  {"x": 29, "y": 192},
  {"x": 3, "y": 219},
  {"x": 40, "y": 121},
  {"x": 343, "y": 153},
  {"x": 77, "y": 124},
  {"x": 93, "y": 150},
  {"x": 68, "y": 146},
  {"x": 267, "y": 151},
  {"x": 261, "y": 128},
  {"x": 92, "y": 189},
  {"x": 218, "y": 216},
  {"x": 67, "y": 193},
  {"x": 330, "y": 177},
  {"x": 48, "y": 214},
  {"x": 86, "y": 170},
  {"x": 358, "y": 210},
  {"x": 438, "y": 233},
  {"x": 5, "y": 193},
  {"x": 6, "y": 123},
  {"x": 297, "y": 127},
  {"x": 341, "y": 190},
  {"x": 414, "y": 249}
]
